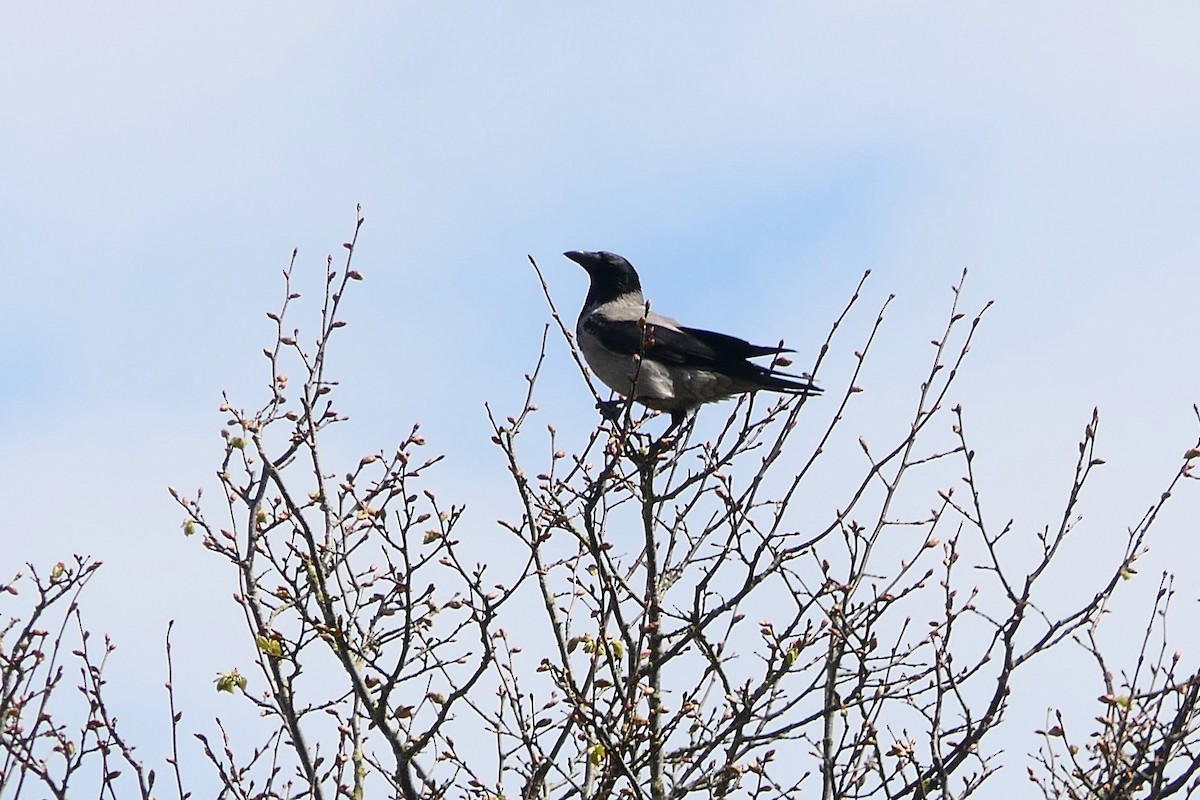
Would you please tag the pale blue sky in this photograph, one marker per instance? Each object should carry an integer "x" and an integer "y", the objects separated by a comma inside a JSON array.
[{"x": 160, "y": 162}]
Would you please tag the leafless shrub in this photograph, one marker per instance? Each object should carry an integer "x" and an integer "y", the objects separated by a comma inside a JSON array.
[
  {"x": 686, "y": 617},
  {"x": 1148, "y": 740},
  {"x": 54, "y": 742}
]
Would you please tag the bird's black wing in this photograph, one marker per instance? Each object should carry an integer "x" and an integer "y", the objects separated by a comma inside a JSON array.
[
  {"x": 728, "y": 346},
  {"x": 730, "y": 356},
  {"x": 687, "y": 347}
]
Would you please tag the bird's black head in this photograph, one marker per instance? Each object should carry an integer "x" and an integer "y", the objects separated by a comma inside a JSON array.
[{"x": 612, "y": 276}]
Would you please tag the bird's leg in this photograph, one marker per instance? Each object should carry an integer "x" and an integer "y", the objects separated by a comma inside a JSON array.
[{"x": 665, "y": 441}]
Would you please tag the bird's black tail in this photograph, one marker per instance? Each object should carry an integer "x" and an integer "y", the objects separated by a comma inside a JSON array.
[{"x": 776, "y": 381}]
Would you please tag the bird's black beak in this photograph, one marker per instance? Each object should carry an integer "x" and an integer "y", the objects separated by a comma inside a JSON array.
[{"x": 581, "y": 257}]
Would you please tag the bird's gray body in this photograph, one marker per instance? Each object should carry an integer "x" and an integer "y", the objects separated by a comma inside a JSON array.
[
  {"x": 660, "y": 386},
  {"x": 676, "y": 368}
]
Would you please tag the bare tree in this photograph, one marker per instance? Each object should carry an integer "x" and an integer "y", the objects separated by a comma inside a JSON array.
[
  {"x": 698, "y": 616},
  {"x": 52, "y": 742},
  {"x": 350, "y": 579},
  {"x": 744, "y": 646},
  {"x": 1148, "y": 742}
]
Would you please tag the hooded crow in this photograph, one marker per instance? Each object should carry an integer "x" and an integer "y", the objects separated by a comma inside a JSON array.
[{"x": 680, "y": 368}]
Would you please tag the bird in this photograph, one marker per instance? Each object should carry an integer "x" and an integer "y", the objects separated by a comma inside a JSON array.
[{"x": 666, "y": 366}]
